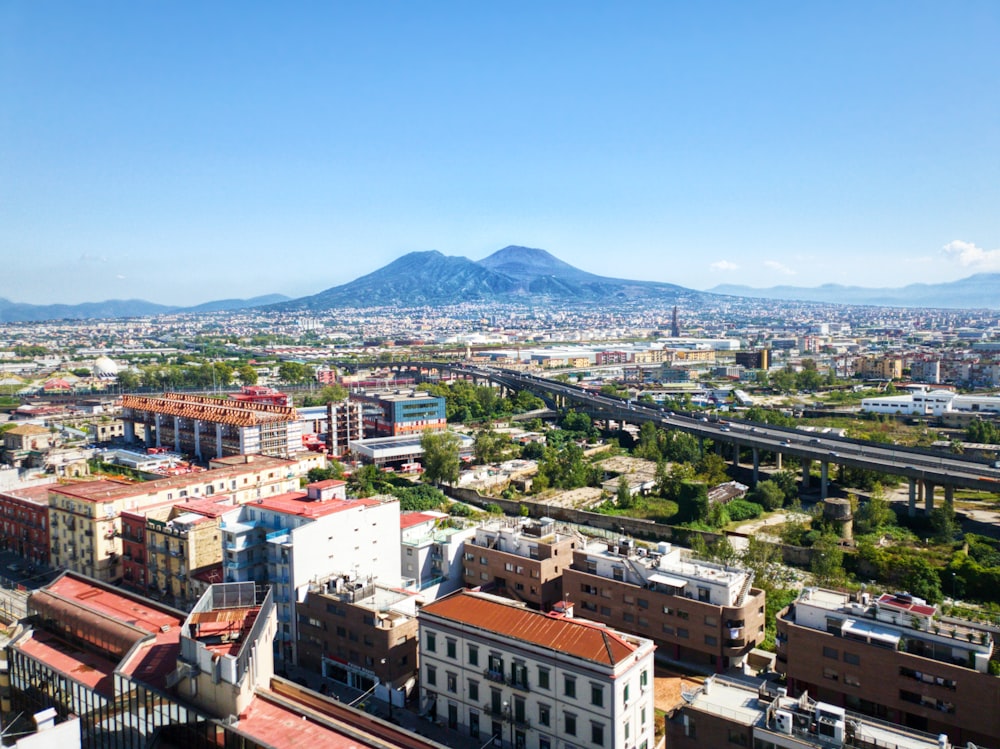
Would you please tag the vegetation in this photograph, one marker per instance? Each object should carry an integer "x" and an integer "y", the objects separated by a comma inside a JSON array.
[
  {"x": 467, "y": 402},
  {"x": 441, "y": 461}
]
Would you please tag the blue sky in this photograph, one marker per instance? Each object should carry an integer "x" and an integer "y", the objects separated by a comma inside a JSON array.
[{"x": 182, "y": 152}]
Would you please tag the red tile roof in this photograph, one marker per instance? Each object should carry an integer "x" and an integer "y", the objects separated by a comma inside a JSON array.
[
  {"x": 410, "y": 519},
  {"x": 579, "y": 638},
  {"x": 299, "y": 503}
]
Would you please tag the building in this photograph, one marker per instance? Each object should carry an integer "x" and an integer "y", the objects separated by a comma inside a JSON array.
[
  {"x": 402, "y": 412},
  {"x": 210, "y": 427},
  {"x": 24, "y": 519},
  {"x": 521, "y": 558},
  {"x": 933, "y": 403},
  {"x": 612, "y": 357},
  {"x": 880, "y": 367},
  {"x": 340, "y": 424},
  {"x": 360, "y": 634},
  {"x": 299, "y": 537},
  {"x": 431, "y": 556},
  {"x": 756, "y": 359},
  {"x": 25, "y": 445},
  {"x": 892, "y": 657},
  {"x": 260, "y": 394},
  {"x": 724, "y": 713},
  {"x": 85, "y": 517},
  {"x": 103, "y": 432},
  {"x": 492, "y": 668},
  {"x": 695, "y": 611}
]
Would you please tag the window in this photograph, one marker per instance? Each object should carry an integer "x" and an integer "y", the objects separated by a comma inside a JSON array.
[
  {"x": 544, "y": 715},
  {"x": 473, "y": 655},
  {"x": 829, "y": 673},
  {"x": 851, "y": 680},
  {"x": 508, "y": 567},
  {"x": 596, "y": 733},
  {"x": 628, "y": 617},
  {"x": 682, "y": 633},
  {"x": 830, "y": 653},
  {"x": 570, "y": 724},
  {"x": 482, "y": 560},
  {"x": 543, "y": 678},
  {"x": 451, "y": 648},
  {"x": 643, "y": 603},
  {"x": 473, "y": 691},
  {"x": 431, "y": 676},
  {"x": 737, "y": 737},
  {"x": 711, "y": 640},
  {"x": 519, "y": 675},
  {"x": 853, "y": 658},
  {"x": 625, "y": 694},
  {"x": 496, "y": 664},
  {"x": 569, "y": 687},
  {"x": 474, "y": 724},
  {"x": 668, "y": 630},
  {"x": 596, "y": 695},
  {"x": 644, "y": 679},
  {"x": 431, "y": 642},
  {"x": 452, "y": 683}
]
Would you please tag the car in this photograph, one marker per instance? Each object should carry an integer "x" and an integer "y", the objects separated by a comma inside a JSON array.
[
  {"x": 785, "y": 443},
  {"x": 834, "y": 455},
  {"x": 815, "y": 441}
]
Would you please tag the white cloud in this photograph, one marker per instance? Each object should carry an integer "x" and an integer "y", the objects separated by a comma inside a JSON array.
[
  {"x": 87, "y": 258},
  {"x": 723, "y": 265},
  {"x": 120, "y": 277},
  {"x": 778, "y": 267},
  {"x": 968, "y": 254}
]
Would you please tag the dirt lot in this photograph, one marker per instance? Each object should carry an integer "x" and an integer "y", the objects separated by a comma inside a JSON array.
[{"x": 669, "y": 685}]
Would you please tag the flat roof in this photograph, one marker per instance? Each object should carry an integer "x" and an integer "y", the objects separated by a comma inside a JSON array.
[
  {"x": 36, "y": 495},
  {"x": 89, "y": 668},
  {"x": 300, "y": 504},
  {"x": 277, "y": 726}
]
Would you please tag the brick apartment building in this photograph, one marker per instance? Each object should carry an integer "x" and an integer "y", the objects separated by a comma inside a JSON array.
[
  {"x": 24, "y": 520},
  {"x": 524, "y": 559},
  {"x": 894, "y": 658},
  {"x": 694, "y": 611}
]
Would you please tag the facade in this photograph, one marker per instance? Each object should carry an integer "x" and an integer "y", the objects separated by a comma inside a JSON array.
[
  {"x": 431, "y": 557},
  {"x": 25, "y": 444},
  {"x": 880, "y": 367},
  {"x": 695, "y": 611},
  {"x": 757, "y": 359},
  {"x": 402, "y": 412},
  {"x": 722, "y": 713},
  {"x": 300, "y": 537},
  {"x": 24, "y": 521},
  {"x": 341, "y": 423},
  {"x": 612, "y": 357},
  {"x": 520, "y": 558},
  {"x": 209, "y": 427},
  {"x": 932, "y": 403},
  {"x": 492, "y": 669},
  {"x": 85, "y": 517},
  {"x": 894, "y": 658},
  {"x": 362, "y": 635}
]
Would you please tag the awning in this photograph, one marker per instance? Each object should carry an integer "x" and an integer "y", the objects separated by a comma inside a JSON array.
[{"x": 673, "y": 582}]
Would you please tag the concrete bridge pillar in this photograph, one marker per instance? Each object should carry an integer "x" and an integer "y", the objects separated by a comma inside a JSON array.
[
  {"x": 156, "y": 420},
  {"x": 218, "y": 440},
  {"x": 756, "y": 465},
  {"x": 177, "y": 434},
  {"x": 129, "y": 426},
  {"x": 949, "y": 495},
  {"x": 911, "y": 509},
  {"x": 197, "y": 438},
  {"x": 928, "y": 497},
  {"x": 777, "y": 460},
  {"x": 736, "y": 454},
  {"x": 824, "y": 478}
]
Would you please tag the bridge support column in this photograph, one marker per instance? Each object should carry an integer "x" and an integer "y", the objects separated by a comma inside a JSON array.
[
  {"x": 928, "y": 497},
  {"x": 911, "y": 509},
  {"x": 218, "y": 440},
  {"x": 806, "y": 466},
  {"x": 777, "y": 460},
  {"x": 129, "y": 426},
  {"x": 197, "y": 438},
  {"x": 949, "y": 495},
  {"x": 736, "y": 455},
  {"x": 156, "y": 420},
  {"x": 824, "y": 479},
  {"x": 756, "y": 465},
  {"x": 177, "y": 433}
]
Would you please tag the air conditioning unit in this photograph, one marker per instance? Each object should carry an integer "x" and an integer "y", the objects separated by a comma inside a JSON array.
[{"x": 783, "y": 722}]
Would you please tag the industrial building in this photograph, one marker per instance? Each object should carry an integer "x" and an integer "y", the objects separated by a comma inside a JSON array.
[{"x": 402, "y": 412}]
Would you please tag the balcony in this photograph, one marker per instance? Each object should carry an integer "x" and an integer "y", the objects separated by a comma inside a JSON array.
[{"x": 495, "y": 676}]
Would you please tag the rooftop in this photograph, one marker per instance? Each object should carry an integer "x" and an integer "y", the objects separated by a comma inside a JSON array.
[
  {"x": 575, "y": 637},
  {"x": 300, "y": 504},
  {"x": 36, "y": 495},
  {"x": 236, "y": 413}
]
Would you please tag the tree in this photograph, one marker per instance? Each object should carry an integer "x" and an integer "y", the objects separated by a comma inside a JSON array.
[
  {"x": 760, "y": 557},
  {"x": 649, "y": 442},
  {"x": 488, "y": 445},
  {"x": 768, "y": 495},
  {"x": 128, "y": 379},
  {"x": 294, "y": 372},
  {"x": 788, "y": 484},
  {"x": 334, "y": 470},
  {"x": 828, "y": 560},
  {"x": 624, "y": 497},
  {"x": 712, "y": 469},
  {"x": 441, "y": 461},
  {"x": 247, "y": 374},
  {"x": 873, "y": 514}
]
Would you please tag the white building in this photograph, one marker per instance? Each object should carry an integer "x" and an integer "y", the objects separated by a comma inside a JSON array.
[
  {"x": 299, "y": 537},
  {"x": 496, "y": 670},
  {"x": 431, "y": 557},
  {"x": 932, "y": 403}
]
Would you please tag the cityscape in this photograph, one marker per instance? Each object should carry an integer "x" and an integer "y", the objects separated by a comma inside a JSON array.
[{"x": 530, "y": 377}]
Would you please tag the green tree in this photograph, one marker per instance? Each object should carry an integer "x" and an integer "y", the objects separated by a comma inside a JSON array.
[
  {"x": 295, "y": 373},
  {"x": 335, "y": 470},
  {"x": 489, "y": 446},
  {"x": 874, "y": 514},
  {"x": 761, "y": 557},
  {"x": 128, "y": 379},
  {"x": 441, "y": 462},
  {"x": 768, "y": 495},
  {"x": 624, "y": 497},
  {"x": 711, "y": 469},
  {"x": 649, "y": 442},
  {"x": 828, "y": 560},
  {"x": 247, "y": 374}
]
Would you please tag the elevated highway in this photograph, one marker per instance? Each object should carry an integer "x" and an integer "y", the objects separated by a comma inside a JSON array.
[{"x": 926, "y": 471}]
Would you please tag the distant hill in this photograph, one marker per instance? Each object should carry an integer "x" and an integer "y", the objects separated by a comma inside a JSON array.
[
  {"x": 980, "y": 291},
  {"x": 511, "y": 274},
  {"x": 117, "y": 308}
]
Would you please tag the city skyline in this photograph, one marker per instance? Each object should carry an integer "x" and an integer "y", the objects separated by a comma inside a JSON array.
[{"x": 189, "y": 154}]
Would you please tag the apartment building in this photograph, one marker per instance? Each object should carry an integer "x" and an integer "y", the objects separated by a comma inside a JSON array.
[
  {"x": 521, "y": 558},
  {"x": 297, "y": 538},
  {"x": 880, "y": 367},
  {"x": 695, "y": 611},
  {"x": 85, "y": 517},
  {"x": 431, "y": 556},
  {"x": 402, "y": 412},
  {"x": 361, "y": 634},
  {"x": 892, "y": 657},
  {"x": 493, "y": 669},
  {"x": 24, "y": 520},
  {"x": 723, "y": 713},
  {"x": 755, "y": 359}
]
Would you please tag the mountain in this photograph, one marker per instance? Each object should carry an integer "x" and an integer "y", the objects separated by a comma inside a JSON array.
[
  {"x": 512, "y": 274},
  {"x": 980, "y": 291},
  {"x": 116, "y": 308}
]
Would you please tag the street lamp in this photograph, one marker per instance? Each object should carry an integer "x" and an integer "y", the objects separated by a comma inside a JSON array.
[
  {"x": 388, "y": 662},
  {"x": 508, "y": 715}
]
